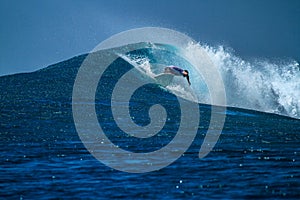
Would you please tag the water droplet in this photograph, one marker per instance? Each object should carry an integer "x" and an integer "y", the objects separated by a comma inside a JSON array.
[{"x": 266, "y": 187}]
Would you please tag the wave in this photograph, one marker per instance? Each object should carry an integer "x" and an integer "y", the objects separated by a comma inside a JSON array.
[{"x": 261, "y": 85}]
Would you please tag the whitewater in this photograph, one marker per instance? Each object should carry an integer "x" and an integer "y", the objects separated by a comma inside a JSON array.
[{"x": 260, "y": 84}]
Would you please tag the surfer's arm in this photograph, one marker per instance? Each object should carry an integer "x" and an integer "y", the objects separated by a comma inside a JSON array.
[{"x": 188, "y": 79}]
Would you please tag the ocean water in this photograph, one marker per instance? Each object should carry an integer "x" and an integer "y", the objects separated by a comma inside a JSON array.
[{"x": 257, "y": 155}]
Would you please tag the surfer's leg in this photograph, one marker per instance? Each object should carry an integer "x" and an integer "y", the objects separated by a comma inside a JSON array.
[{"x": 168, "y": 70}]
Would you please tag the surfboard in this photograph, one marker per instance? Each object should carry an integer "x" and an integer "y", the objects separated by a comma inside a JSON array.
[{"x": 164, "y": 79}]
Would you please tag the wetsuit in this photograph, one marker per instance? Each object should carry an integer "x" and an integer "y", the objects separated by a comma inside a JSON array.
[{"x": 174, "y": 70}]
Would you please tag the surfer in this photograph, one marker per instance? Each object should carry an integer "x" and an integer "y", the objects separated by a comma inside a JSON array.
[{"x": 176, "y": 71}]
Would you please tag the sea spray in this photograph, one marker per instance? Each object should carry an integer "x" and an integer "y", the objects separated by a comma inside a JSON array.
[{"x": 259, "y": 84}]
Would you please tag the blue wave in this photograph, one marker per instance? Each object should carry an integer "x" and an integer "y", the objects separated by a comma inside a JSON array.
[{"x": 261, "y": 85}]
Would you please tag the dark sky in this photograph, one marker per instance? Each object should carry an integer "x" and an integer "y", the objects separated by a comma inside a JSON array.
[{"x": 34, "y": 34}]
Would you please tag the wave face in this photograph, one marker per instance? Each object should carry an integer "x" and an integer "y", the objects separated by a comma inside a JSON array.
[{"x": 261, "y": 85}]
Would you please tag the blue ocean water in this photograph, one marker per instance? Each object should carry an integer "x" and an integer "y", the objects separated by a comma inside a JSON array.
[{"x": 256, "y": 156}]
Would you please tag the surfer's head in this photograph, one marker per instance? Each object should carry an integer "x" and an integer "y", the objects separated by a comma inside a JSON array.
[{"x": 185, "y": 73}]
